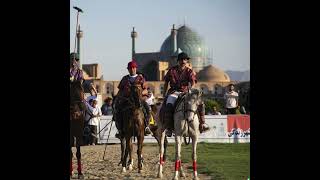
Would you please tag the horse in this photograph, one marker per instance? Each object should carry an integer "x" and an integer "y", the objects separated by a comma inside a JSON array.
[
  {"x": 186, "y": 123},
  {"x": 133, "y": 126},
  {"x": 76, "y": 123},
  {"x": 155, "y": 134}
]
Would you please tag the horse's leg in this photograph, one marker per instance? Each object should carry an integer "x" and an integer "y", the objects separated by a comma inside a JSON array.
[
  {"x": 124, "y": 161},
  {"x": 139, "y": 150},
  {"x": 158, "y": 138},
  {"x": 123, "y": 148},
  {"x": 165, "y": 148},
  {"x": 194, "y": 157},
  {"x": 78, "y": 154},
  {"x": 71, "y": 168},
  {"x": 182, "y": 174},
  {"x": 130, "y": 146},
  {"x": 161, "y": 151},
  {"x": 178, "y": 157}
]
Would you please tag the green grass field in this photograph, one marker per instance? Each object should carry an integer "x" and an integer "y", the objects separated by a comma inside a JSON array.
[{"x": 219, "y": 160}]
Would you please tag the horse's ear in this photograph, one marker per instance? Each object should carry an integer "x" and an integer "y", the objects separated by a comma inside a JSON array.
[{"x": 200, "y": 93}]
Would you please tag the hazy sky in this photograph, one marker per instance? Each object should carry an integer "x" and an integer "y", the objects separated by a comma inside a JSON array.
[{"x": 107, "y": 24}]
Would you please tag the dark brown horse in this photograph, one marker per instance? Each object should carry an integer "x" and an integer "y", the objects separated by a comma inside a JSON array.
[
  {"x": 153, "y": 128},
  {"x": 77, "y": 109},
  {"x": 133, "y": 126}
]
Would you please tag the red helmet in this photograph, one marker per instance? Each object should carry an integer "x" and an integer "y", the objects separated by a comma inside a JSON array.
[{"x": 132, "y": 64}]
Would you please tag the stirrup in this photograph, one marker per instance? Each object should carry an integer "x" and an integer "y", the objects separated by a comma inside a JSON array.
[
  {"x": 147, "y": 131},
  {"x": 118, "y": 135}
]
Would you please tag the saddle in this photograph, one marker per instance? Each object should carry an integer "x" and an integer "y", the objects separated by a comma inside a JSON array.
[{"x": 181, "y": 98}]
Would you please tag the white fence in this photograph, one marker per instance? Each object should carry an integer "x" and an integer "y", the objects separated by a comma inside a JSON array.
[{"x": 218, "y": 132}]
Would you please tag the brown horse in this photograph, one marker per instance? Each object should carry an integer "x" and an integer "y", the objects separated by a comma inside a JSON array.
[
  {"x": 153, "y": 128},
  {"x": 77, "y": 109},
  {"x": 133, "y": 126}
]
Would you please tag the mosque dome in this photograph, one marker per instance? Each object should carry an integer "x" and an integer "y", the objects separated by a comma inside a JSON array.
[
  {"x": 212, "y": 74},
  {"x": 190, "y": 42}
]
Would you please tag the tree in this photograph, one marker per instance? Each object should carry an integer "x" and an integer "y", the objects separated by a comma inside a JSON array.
[{"x": 209, "y": 103}]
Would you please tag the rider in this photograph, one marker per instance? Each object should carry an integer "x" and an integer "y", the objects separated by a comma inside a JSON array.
[
  {"x": 180, "y": 76},
  {"x": 124, "y": 86},
  {"x": 76, "y": 73}
]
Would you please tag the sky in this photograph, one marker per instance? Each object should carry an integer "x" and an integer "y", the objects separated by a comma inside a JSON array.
[{"x": 223, "y": 24}]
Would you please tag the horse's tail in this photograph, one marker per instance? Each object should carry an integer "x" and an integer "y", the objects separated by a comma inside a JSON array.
[{"x": 134, "y": 137}]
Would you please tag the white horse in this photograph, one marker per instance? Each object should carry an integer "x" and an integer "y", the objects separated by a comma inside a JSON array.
[{"x": 186, "y": 123}]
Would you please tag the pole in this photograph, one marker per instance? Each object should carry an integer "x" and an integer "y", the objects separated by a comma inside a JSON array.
[{"x": 75, "y": 39}]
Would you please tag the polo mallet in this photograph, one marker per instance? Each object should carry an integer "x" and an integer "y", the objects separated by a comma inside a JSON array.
[
  {"x": 107, "y": 140},
  {"x": 104, "y": 127}
]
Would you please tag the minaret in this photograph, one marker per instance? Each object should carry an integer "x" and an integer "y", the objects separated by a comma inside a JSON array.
[
  {"x": 133, "y": 36},
  {"x": 173, "y": 40},
  {"x": 174, "y": 46},
  {"x": 79, "y": 36}
]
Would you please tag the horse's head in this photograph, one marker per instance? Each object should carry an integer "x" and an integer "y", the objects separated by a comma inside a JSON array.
[
  {"x": 192, "y": 101},
  {"x": 76, "y": 91},
  {"x": 136, "y": 94}
]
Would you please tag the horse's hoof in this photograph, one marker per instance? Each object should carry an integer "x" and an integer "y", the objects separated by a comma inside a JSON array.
[
  {"x": 175, "y": 178},
  {"x": 182, "y": 174},
  {"x": 80, "y": 176},
  {"x": 130, "y": 167},
  {"x": 123, "y": 170},
  {"x": 160, "y": 176},
  {"x": 140, "y": 171},
  {"x": 120, "y": 163}
]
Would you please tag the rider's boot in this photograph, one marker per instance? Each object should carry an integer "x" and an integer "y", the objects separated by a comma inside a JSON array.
[
  {"x": 168, "y": 116},
  {"x": 201, "y": 112},
  {"x": 147, "y": 130}
]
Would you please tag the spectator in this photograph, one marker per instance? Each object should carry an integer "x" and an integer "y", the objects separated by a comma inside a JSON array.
[
  {"x": 231, "y": 98},
  {"x": 95, "y": 113},
  {"x": 150, "y": 98},
  {"x": 106, "y": 108},
  {"x": 214, "y": 111}
]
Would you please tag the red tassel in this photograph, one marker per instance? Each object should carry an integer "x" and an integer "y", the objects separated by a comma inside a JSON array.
[
  {"x": 161, "y": 160},
  {"x": 79, "y": 166},
  {"x": 194, "y": 166},
  {"x": 177, "y": 165}
]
